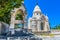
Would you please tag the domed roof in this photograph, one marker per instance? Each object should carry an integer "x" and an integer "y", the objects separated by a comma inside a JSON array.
[{"x": 37, "y": 8}]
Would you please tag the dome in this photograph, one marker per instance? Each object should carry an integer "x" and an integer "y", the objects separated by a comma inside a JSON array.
[{"x": 37, "y": 8}]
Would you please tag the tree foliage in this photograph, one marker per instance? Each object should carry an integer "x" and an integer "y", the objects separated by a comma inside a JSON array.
[
  {"x": 5, "y": 7},
  {"x": 57, "y": 27}
]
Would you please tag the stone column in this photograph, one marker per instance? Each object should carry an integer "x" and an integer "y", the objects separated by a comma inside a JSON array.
[
  {"x": 38, "y": 25},
  {"x": 45, "y": 28},
  {"x": 25, "y": 21},
  {"x": 29, "y": 24},
  {"x": 12, "y": 24},
  {"x": 48, "y": 26}
]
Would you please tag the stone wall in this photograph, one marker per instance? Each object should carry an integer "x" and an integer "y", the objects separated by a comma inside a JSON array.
[{"x": 4, "y": 28}]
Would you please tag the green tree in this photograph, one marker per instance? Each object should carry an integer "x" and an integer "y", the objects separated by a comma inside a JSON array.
[
  {"x": 57, "y": 27},
  {"x": 5, "y": 7}
]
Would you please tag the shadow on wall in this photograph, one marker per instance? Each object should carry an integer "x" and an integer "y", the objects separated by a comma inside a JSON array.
[{"x": 4, "y": 28}]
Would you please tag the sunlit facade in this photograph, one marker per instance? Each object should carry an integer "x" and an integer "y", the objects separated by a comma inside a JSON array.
[{"x": 38, "y": 22}]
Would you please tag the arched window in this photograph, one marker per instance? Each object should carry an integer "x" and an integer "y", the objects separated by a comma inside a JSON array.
[
  {"x": 42, "y": 26},
  {"x": 19, "y": 16},
  {"x": 37, "y": 13}
]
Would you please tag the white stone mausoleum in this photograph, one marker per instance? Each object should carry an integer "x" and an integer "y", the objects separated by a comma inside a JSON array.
[{"x": 38, "y": 22}]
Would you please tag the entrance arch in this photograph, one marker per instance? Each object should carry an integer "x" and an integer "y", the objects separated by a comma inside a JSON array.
[
  {"x": 19, "y": 15},
  {"x": 15, "y": 21},
  {"x": 19, "y": 18}
]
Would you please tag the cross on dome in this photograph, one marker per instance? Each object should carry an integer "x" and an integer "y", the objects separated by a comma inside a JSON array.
[{"x": 37, "y": 8}]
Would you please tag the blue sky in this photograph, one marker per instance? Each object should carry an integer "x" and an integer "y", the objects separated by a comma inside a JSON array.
[{"x": 49, "y": 7}]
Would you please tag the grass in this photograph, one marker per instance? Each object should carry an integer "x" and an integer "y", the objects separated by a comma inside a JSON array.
[{"x": 46, "y": 35}]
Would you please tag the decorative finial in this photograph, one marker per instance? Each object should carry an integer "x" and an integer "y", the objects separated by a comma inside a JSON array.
[{"x": 46, "y": 16}]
